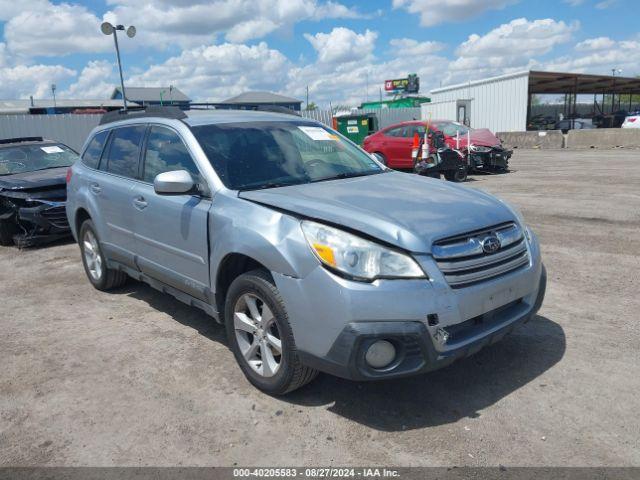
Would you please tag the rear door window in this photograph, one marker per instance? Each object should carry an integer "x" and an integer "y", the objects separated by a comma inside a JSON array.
[
  {"x": 413, "y": 129},
  {"x": 124, "y": 151},
  {"x": 166, "y": 152},
  {"x": 91, "y": 156}
]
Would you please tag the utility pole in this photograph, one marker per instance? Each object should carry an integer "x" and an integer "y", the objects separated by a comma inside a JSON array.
[
  {"x": 307, "y": 97},
  {"x": 53, "y": 91}
]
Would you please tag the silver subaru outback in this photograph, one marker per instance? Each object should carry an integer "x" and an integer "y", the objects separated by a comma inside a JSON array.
[{"x": 315, "y": 256}]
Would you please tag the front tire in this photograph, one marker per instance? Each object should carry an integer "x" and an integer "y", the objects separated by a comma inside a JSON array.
[
  {"x": 457, "y": 176},
  {"x": 260, "y": 336},
  {"x": 95, "y": 266}
]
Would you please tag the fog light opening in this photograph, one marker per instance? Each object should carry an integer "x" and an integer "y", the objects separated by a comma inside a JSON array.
[
  {"x": 380, "y": 354},
  {"x": 441, "y": 336}
]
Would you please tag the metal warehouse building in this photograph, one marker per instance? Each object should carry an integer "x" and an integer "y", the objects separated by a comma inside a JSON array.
[{"x": 503, "y": 104}]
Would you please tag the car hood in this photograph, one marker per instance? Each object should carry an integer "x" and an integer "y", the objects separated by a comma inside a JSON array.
[
  {"x": 40, "y": 179},
  {"x": 401, "y": 209},
  {"x": 483, "y": 137}
]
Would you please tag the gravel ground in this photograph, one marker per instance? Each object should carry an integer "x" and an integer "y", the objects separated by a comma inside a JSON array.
[{"x": 136, "y": 378}]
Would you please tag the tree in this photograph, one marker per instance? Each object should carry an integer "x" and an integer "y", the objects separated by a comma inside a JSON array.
[{"x": 311, "y": 106}]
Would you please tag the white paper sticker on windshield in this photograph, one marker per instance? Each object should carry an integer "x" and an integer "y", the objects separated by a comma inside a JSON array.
[
  {"x": 52, "y": 149},
  {"x": 317, "y": 133}
]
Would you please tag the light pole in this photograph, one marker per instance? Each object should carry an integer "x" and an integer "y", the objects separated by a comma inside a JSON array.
[
  {"x": 109, "y": 29},
  {"x": 614, "y": 71}
]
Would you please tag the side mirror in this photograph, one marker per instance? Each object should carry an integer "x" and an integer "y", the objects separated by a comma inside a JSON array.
[{"x": 177, "y": 182}]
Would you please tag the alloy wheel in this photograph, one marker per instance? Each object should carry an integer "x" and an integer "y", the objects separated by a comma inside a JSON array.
[
  {"x": 92, "y": 255},
  {"x": 257, "y": 334}
]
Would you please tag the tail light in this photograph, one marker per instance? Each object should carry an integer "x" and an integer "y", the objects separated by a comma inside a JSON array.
[{"x": 69, "y": 174}]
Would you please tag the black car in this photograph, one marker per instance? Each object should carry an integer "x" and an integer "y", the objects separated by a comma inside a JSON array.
[{"x": 33, "y": 190}]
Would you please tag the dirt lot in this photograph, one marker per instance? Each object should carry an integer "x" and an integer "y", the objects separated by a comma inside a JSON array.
[{"x": 136, "y": 378}]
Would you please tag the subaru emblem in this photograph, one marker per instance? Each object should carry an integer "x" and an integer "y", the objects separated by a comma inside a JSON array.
[{"x": 491, "y": 244}]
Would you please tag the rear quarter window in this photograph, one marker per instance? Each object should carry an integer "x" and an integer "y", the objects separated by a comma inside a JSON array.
[
  {"x": 91, "y": 156},
  {"x": 124, "y": 151}
]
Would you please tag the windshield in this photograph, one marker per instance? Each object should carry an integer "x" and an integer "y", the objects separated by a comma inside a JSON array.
[
  {"x": 28, "y": 158},
  {"x": 273, "y": 154},
  {"x": 450, "y": 128}
]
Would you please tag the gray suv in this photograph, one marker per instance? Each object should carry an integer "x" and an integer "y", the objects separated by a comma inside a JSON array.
[{"x": 315, "y": 256}]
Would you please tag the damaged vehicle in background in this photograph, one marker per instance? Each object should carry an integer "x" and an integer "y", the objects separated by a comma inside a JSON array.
[
  {"x": 393, "y": 144},
  {"x": 33, "y": 190},
  {"x": 486, "y": 152}
]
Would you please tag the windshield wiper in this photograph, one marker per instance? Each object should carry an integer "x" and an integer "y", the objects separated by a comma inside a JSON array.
[
  {"x": 263, "y": 186},
  {"x": 49, "y": 168},
  {"x": 340, "y": 176}
]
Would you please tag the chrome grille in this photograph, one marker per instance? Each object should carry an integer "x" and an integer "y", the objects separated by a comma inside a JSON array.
[{"x": 463, "y": 261}]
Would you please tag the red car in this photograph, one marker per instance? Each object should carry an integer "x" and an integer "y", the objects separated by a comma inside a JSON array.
[{"x": 392, "y": 145}]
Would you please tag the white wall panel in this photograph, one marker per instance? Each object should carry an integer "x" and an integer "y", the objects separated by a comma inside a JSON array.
[{"x": 499, "y": 104}]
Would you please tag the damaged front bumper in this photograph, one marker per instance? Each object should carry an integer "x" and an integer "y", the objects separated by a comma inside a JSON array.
[
  {"x": 490, "y": 159},
  {"x": 37, "y": 221},
  {"x": 428, "y": 323}
]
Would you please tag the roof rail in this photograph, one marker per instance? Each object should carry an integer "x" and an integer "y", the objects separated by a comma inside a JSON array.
[
  {"x": 20, "y": 139},
  {"x": 151, "y": 111},
  {"x": 276, "y": 109}
]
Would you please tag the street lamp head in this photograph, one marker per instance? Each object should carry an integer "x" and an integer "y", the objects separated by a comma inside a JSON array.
[
  {"x": 131, "y": 31},
  {"x": 107, "y": 28}
]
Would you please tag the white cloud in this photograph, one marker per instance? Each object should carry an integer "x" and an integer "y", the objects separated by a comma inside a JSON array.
[
  {"x": 54, "y": 30},
  {"x": 519, "y": 37},
  {"x": 12, "y": 8},
  {"x": 409, "y": 46},
  {"x": 96, "y": 80},
  {"x": 606, "y": 4},
  {"x": 342, "y": 45},
  {"x": 346, "y": 72},
  {"x": 23, "y": 80},
  {"x": 509, "y": 47},
  {"x": 3, "y": 55},
  {"x": 624, "y": 55},
  {"x": 217, "y": 72},
  {"x": 433, "y": 12},
  {"x": 592, "y": 44},
  {"x": 198, "y": 22}
]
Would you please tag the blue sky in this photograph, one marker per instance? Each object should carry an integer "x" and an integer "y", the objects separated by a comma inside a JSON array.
[{"x": 214, "y": 49}]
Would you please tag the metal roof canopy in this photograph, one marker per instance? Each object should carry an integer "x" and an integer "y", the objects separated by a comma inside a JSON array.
[{"x": 581, "y": 83}]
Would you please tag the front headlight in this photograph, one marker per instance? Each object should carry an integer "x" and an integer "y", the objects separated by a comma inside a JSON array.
[{"x": 356, "y": 257}]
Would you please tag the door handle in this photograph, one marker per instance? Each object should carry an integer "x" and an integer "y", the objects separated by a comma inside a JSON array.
[
  {"x": 140, "y": 203},
  {"x": 95, "y": 188}
]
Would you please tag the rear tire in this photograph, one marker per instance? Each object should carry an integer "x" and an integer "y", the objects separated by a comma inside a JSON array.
[
  {"x": 95, "y": 265},
  {"x": 260, "y": 336},
  {"x": 7, "y": 231}
]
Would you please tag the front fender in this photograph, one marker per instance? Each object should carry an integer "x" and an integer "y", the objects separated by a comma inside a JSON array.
[{"x": 268, "y": 236}]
